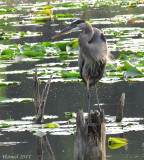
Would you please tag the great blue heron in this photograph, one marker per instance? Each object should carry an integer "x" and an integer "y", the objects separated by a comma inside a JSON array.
[{"x": 92, "y": 55}]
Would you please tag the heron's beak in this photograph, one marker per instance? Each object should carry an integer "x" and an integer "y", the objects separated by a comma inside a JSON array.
[{"x": 68, "y": 29}]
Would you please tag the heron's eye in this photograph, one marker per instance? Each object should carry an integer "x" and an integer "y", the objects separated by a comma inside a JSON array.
[{"x": 75, "y": 25}]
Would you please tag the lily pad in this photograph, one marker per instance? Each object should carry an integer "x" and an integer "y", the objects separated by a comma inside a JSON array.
[
  {"x": 10, "y": 83},
  {"x": 117, "y": 140},
  {"x": 116, "y": 145},
  {"x": 51, "y": 125},
  {"x": 32, "y": 54},
  {"x": 15, "y": 100}
]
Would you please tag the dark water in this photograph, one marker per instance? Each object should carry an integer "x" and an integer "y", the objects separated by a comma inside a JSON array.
[{"x": 69, "y": 97}]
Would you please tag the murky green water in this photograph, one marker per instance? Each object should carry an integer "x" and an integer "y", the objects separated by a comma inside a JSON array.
[{"x": 69, "y": 97}]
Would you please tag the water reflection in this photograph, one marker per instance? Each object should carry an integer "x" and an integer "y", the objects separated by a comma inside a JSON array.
[
  {"x": 112, "y": 145},
  {"x": 43, "y": 142}
]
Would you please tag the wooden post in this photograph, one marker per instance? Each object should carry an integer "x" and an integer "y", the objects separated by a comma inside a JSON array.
[
  {"x": 36, "y": 92},
  {"x": 90, "y": 141},
  {"x": 120, "y": 108},
  {"x": 40, "y": 102}
]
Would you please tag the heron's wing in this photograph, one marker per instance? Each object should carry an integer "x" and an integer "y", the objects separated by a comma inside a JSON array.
[
  {"x": 80, "y": 61},
  {"x": 97, "y": 47}
]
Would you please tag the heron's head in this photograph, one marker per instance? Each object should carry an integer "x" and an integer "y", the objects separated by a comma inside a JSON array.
[{"x": 74, "y": 26}]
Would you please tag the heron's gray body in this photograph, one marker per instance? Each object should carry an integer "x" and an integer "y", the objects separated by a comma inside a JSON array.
[{"x": 92, "y": 55}]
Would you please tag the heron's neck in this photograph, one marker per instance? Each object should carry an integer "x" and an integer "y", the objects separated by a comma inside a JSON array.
[{"x": 88, "y": 33}]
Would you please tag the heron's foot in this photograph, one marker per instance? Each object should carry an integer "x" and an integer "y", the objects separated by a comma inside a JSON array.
[
  {"x": 99, "y": 108},
  {"x": 91, "y": 127}
]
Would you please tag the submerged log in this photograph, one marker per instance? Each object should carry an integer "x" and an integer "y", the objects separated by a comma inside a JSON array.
[
  {"x": 40, "y": 101},
  {"x": 90, "y": 141},
  {"x": 120, "y": 108}
]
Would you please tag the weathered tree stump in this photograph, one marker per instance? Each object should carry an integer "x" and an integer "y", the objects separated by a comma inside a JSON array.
[
  {"x": 120, "y": 108},
  {"x": 90, "y": 141},
  {"x": 40, "y": 101}
]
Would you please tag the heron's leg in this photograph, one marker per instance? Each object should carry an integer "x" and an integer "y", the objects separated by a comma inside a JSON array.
[
  {"x": 88, "y": 96},
  {"x": 90, "y": 124},
  {"x": 99, "y": 108}
]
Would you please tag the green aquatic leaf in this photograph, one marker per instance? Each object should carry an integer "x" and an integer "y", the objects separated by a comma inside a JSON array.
[
  {"x": 140, "y": 54},
  {"x": 123, "y": 57},
  {"x": 116, "y": 140},
  {"x": 66, "y": 5},
  {"x": 116, "y": 145},
  {"x": 1, "y": 38},
  {"x": 74, "y": 44},
  {"x": 58, "y": 16},
  {"x": 51, "y": 125},
  {"x": 131, "y": 70},
  {"x": 62, "y": 45},
  {"x": 26, "y": 47},
  {"x": 9, "y": 83},
  {"x": 4, "y": 125},
  {"x": 26, "y": 100},
  {"x": 66, "y": 74},
  {"x": 111, "y": 67},
  {"x": 38, "y": 48},
  {"x": 15, "y": 100},
  {"x": 46, "y": 12},
  {"x": 68, "y": 15},
  {"x": 70, "y": 114},
  {"x": 2, "y": 11},
  {"x": 46, "y": 44},
  {"x": 48, "y": 7},
  {"x": 4, "y": 98},
  {"x": 32, "y": 54},
  {"x": 2, "y": 84},
  {"x": 7, "y": 52}
]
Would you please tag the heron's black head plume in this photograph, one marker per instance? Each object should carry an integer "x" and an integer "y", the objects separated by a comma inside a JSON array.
[
  {"x": 77, "y": 22},
  {"x": 72, "y": 27}
]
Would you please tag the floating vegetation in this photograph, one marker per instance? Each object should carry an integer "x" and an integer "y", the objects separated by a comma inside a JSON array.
[
  {"x": 16, "y": 35},
  {"x": 7, "y": 10},
  {"x": 15, "y": 100},
  {"x": 100, "y": 4},
  {"x": 116, "y": 145},
  {"x": 8, "y": 83},
  {"x": 4, "y": 125},
  {"x": 127, "y": 125},
  {"x": 116, "y": 140},
  {"x": 51, "y": 125},
  {"x": 127, "y": 66},
  {"x": 68, "y": 15},
  {"x": 68, "y": 127}
]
